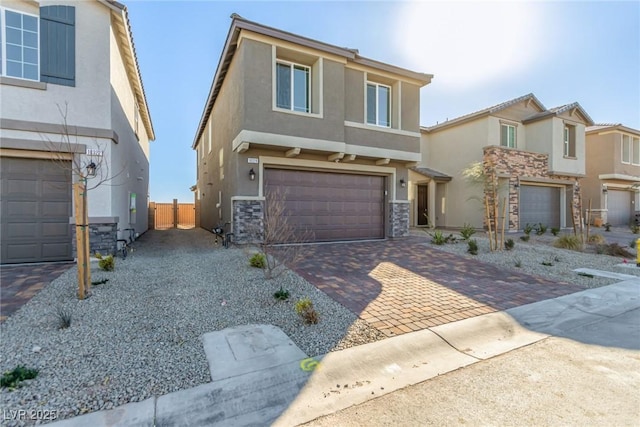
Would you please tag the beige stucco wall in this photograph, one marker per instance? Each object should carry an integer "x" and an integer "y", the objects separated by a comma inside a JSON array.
[
  {"x": 494, "y": 131},
  {"x": 557, "y": 161}
]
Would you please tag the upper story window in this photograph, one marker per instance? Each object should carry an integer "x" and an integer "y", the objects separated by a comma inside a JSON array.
[
  {"x": 635, "y": 151},
  {"x": 507, "y": 135},
  {"x": 293, "y": 87},
  {"x": 378, "y": 104},
  {"x": 20, "y": 45},
  {"x": 626, "y": 149},
  {"x": 569, "y": 141}
]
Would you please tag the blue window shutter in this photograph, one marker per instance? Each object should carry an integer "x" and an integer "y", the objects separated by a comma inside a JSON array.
[{"x": 58, "y": 45}]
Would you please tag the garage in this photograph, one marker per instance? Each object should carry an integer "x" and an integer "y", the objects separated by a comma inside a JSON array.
[
  {"x": 35, "y": 207},
  {"x": 331, "y": 206},
  {"x": 539, "y": 204},
  {"x": 619, "y": 207}
]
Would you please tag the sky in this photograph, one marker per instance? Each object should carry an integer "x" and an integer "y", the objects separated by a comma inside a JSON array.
[{"x": 480, "y": 53}]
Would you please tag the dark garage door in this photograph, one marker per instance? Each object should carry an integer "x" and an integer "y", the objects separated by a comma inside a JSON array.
[
  {"x": 36, "y": 206},
  {"x": 619, "y": 207},
  {"x": 332, "y": 206},
  {"x": 539, "y": 205}
]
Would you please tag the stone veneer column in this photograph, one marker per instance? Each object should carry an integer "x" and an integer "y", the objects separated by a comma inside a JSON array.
[
  {"x": 398, "y": 219},
  {"x": 247, "y": 220},
  {"x": 102, "y": 238}
]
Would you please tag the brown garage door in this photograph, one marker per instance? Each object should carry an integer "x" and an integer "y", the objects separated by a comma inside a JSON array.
[
  {"x": 36, "y": 206},
  {"x": 332, "y": 206}
]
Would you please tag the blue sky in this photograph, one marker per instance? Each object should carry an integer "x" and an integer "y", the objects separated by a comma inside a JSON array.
[{"x": 481, "y": 53}]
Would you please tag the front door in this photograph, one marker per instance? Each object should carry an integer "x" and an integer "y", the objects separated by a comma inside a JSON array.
[{"x": 423, "y": 218}]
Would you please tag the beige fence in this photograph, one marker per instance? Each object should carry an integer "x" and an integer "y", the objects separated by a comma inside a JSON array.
[{"x": 172, "y": 215}]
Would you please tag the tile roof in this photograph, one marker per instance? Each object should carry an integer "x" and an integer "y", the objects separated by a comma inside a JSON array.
[{"x": 431, "y": 173}]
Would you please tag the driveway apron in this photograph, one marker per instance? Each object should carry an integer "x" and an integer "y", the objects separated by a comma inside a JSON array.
[{"x": 403, "y": 285}]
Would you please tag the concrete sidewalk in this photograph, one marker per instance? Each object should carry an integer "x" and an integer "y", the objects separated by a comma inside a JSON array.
[{"x": 261, "y": 379}]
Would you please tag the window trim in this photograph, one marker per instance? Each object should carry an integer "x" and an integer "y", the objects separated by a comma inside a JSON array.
[
  {"x": 622, "y": 150},
  {"x": 292, "y": 66},
  {"x": 633, "y": 151},
  {"x": 515, "y": 134},
  {"x": 3, "y": 43},
  {"x": 389, "y": 108}
]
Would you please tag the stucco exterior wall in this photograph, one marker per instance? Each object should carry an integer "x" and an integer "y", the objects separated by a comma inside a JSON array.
[
  {"x": 539, "y": 136},
  {"x": 558, "y": 161}
]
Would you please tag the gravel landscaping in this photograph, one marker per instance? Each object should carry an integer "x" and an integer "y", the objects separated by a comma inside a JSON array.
[{"x": 139, "y": 334}]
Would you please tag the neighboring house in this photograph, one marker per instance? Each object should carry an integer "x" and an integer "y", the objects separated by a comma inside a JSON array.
[
  {"x": 332, "y": 131},
  {"x": 78, "y": 57},
  {"x": 537, "y": 153},
  {"x": 613, "y": 172}
]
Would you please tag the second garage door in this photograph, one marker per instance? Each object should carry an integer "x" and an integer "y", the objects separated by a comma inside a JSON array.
[
  {"x": 331, "y": 206},
  {"x": 539, "y": 205},
  {"x": 619, "y": 207}
]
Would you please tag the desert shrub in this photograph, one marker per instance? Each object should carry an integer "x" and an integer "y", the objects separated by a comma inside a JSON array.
[
  {"x": 305, "y": 310},
  {"x": 12, "y": 379},
  {"x": 473, "y": 247},
  {"x": 467, "y": 231},
  {"x": 281, "y": 294},
  {"x": 517, "y": 262},
  {"x": 632, "y": 244},
  {"x": 527, "y": 229},
  {"x": 107, "y": 263},
  {"x": 258, "y": 260},
  {"x": 63, "y": 317},
  {"x": 438, "y": 238},
  {"x": 541, "y": 229},
  {"x": 607, "y": 226},
  {"x": 635, "y": 229},
  {"x": 509, "y": 244},
  {"x": 568, "y": 241},
  {"x": 614, "y": 249},
  {"x": 547, "y": 262},
  {"x": 597, "y": 239},
  {"x": 525, "y": 238},
  {"x": 555, "y": 231}
]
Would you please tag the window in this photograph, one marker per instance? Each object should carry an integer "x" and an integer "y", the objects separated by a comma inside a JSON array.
[
  {"x": 508, "y": 136},
  {"x": 635, "y": 151},
  {"x": 378, "y": 104},
  {"x": 626, "y": 149},
  {"x": 293, "y": 87},
  {"x": 569, "y": 141},
  {"x": 19, "y": 45}
]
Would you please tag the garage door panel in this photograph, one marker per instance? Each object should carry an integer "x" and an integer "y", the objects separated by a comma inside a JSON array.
[
  {"x": 51, "y": 250},
  {"x": 55, "y": 209},
  {"x": 55, "y": 230},
  {"x": 21, "y": 209},
  {"x": 25, "y": 188},
  {"x": 21, "y": 230},
  {"x": 539, "y": 205},
  {"x": 619, "y": 207}
]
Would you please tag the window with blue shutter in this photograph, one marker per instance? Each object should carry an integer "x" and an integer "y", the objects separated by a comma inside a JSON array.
[{"x": 58, "y": 45}]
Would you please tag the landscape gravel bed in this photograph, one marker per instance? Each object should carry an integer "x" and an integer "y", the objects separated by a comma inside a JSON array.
[
  {"x": 528, "y": 257},
  {"x": 139, "y": 334}
]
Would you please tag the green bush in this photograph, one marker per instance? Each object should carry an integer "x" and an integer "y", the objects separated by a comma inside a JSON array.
[
  {"x": 527, "y": 229},
  {"x": 473, "y": 247},
  {"x": 541, "y": 229},
  {"x": 597, "y": 239},
  {"x": 107, "y": 263},
  {"x": 555, "y": 231},
  {"x": 517, "y": 262},
  {"x": 467, "y": 231},
  {"x": 438, "y": 238},
  {"x": 525, "y": 238},
  {"x": 635, "y": 229},
  {"x": 63, "y": 316},
  {"x": 12, "y": 379},
  {"x": 258, "y": 260},
  {"x": 304, "y": 308},
  {"x": 568, "y": 241},
  {"x": 632, "y": 244},
  {"x": 509, "y": 244},
  {"x": 281, "y": 294}
]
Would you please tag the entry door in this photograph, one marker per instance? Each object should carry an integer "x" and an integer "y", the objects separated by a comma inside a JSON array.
[{"x": 423, "y": 202}]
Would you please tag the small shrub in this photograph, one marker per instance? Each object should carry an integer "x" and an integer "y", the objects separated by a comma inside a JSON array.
[
  {"x": 555, "y": 231},
  {"x": 99, "y": 282},
  {"x": 305, "y": 310},
  {"x": 525, "y": 238},
  {"x": 527, "y": 229},
  {"x": 107, "y": 263},
  {"x": 12, "y": 379},
  {"x": 607, "y": 226},
  {"x": 98, "y": 255},
  {"x": 438, "y": 238},
  {"x": 281, "y": 294},
  {"x": 258, "y": 260},
  {"x": 473, "y": 247},
  {"x": 635, "y": 229},
  {"x": 568, "y": 241},
  {"x": 547, "y": 262},
  {"x": 597, "y": 239},
  {"x": 632, "y": 244},
  {"x": 614, "y": 249},
  {"x": 509, "y": 244},
  {"x": 63, "y": 316},
  {"x": 517, "y": 262},
  {"x": 467, "y": 231},
  {"x": 541, "y": 229}
]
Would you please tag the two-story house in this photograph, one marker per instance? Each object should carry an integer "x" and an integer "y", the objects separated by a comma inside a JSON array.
[
  {"x": 73, "y": 62},
  {"x": 613, "y": 172},
  {"x": 537, "y": 155},
  {"x": 331, "y": 131}
]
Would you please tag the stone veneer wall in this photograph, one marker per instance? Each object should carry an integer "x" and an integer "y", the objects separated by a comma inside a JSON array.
[
  {"x": 398, "y": 219},
  {"x": 102, "y": 238},
  {"x": 524, "y": 164},
  {"x": 247, "y": 220}
]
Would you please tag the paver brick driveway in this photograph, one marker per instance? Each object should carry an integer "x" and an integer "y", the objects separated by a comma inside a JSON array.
[{"x": 404, "y": 285}]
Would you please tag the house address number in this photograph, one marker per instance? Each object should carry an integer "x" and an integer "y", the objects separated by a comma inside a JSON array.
[
  {"x": 94, "y": 152},
  {"x": 253, "y": 160}
]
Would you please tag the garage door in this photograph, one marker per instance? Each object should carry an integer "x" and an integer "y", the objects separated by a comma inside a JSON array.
[
  {"x": 35, "y": 206},
  {"x": 332, "y": 206},
  {"x": 539, "y": 205},
  {"x": 619, "y": 209}
]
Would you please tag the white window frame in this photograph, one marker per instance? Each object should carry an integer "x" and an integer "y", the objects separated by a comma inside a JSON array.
[
  {"x": 515, "y": 135},
  {"x": 292, "y": 66},
  {"x": 366, "y": 104},
  {"x": 3, "y": 42},
  {"x": 566, "y": 138},
  {"x": 635, "y": 150},
  {"x": 628, "y": 151}
]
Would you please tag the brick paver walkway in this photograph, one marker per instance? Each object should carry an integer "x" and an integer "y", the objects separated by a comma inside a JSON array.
[
  {"x": 18, "y": 284},
  {"x": 404, "y": 285}
]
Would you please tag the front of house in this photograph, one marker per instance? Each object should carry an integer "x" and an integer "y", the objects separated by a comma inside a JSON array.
[
  {"x": 69, "y": 62},
  {"x": 333, "y": 133},
  {"x": 537, "y": 155}
]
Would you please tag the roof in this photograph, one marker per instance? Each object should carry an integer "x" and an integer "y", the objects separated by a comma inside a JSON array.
[
  {"x": 431, "y": 173},
  {"x": 608, "y": 127},
  {"x": 239, "y": 24},
  {"x": 130, "y": 58},
  {"x": 556, "y": 111}
]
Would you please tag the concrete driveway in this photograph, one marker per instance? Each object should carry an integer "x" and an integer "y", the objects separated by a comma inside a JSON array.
[{"x": 404, "y": 285}]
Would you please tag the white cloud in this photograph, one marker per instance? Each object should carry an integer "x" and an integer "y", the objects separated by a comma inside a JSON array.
[{"x": 468, "y": 43}]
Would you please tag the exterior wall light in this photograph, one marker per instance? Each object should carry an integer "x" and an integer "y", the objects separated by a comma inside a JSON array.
[
  {"x": 403, "y": 183},
  {"x": 605, "y": 190},
  {"x": 252, "y": 175},
  {"x": 91, "y": 169}
]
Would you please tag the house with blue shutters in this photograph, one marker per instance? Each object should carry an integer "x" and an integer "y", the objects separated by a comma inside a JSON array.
[{"x": 72, "y": 96}]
